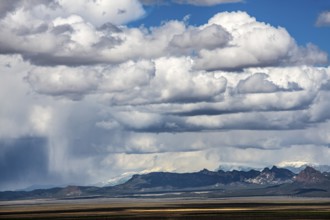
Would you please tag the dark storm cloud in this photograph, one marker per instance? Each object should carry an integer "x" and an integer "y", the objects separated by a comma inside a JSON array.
[
  {"x": 7, "y": 6},
  {"x": 23, "y": 160}
]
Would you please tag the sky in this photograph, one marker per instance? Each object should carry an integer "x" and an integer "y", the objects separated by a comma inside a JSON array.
[{"x": 92, "y": 90}]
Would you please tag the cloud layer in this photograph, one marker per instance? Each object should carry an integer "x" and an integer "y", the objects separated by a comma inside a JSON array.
[
  {"x": 92, "y": 98},
  {"x": 58, "y": 36}
]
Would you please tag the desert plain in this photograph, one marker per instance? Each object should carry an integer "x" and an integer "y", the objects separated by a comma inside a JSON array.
[{"x": 152, "y": 208}]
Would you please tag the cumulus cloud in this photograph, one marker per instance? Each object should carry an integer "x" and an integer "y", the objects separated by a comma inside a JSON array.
[
  {"x": 309, "y": 55},
  {"x": 163, "y": 80},
  {"x": 323, "y": 19},
  {"x": 76, "y": 82},
  {"x": 255, "y": 44},
  {"x": 60, "y": 32},
  {"x": 127, "y": 76},
  {"x": 74, "y": 41},
  {"x": 177, "y": 82},
  {"x": 229, "y": 41},
  {"x": 94, "y": 98},
  {"x": 273, "y": 97},
  {"x": 63, "y": 81}
]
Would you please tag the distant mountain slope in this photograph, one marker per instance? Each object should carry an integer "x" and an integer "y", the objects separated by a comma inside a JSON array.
[
  {"x": 273, "y": 176},
  {"x": 207, "y": 178},
  {"x": 312, "y": 176},
  {"x": 268, "y": 182}
]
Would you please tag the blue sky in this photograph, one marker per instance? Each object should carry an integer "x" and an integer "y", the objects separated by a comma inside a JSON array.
[
  {"x": 93, "y": 90},
  {"x": 297, "y": 16}
]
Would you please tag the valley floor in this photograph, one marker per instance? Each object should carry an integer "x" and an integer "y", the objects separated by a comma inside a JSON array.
[{"x": 227, "y": 208}]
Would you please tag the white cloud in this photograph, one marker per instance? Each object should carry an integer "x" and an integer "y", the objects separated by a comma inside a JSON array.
[
  {"x": 75, "y": 82},
  {"x": 65, "y": 32},
  {"x": 319, "y": 110},
  {"x": 127, "y": 76},
  {"x": 228, "y": 41},
  {"x": 63, "y": 81},
  {"x": 163, "y": 80},
  {"x": 137, "y": 120},
  {"x": 309, "y": 55},
  {"x": 323, "y": 19},
  {"x": 176, "y": 82},
  {"x": 41, "y": 118},
  {"x": 255, "y": 44}
]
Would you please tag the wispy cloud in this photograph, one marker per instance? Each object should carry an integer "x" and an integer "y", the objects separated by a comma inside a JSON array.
[{"x": 323, "y": 19}]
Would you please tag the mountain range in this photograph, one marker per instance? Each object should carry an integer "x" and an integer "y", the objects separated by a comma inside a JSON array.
[{"x": 210, "y": 184}]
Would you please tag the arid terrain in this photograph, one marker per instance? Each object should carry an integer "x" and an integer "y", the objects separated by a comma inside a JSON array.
[{"x": 226, "y": 208}]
